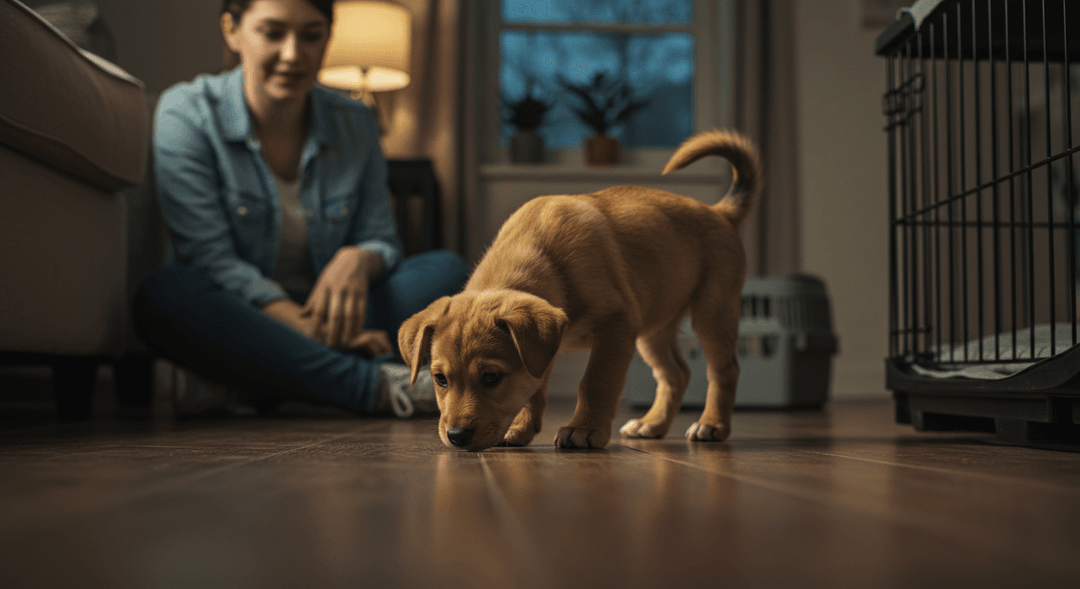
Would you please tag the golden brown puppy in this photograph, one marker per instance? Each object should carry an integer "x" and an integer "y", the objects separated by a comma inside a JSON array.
[{"x": 601, "y": 271}]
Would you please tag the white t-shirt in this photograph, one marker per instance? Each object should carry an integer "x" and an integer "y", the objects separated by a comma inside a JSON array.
[{"x": 293, "y": 270}]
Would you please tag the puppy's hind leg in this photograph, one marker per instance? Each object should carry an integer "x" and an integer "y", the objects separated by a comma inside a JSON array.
[
  {"x": 717, "y": 325},
  {"x": 660, "y": 350},
  {"x": 527, "y": 422}
]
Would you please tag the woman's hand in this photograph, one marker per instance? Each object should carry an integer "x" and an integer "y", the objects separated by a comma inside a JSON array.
[
  {"x": 338, "y": 302},
  {"x": 290, "y": 314},
  {"x": 371, "y": 342}
]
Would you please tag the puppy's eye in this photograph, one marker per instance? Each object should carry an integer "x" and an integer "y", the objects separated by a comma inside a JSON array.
[
  {"x": 440, "y": 379},
  {"x": 491, "y": 378}
]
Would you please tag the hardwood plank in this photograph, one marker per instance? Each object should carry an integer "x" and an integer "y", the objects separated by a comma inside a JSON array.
[
  {"x": 1017, "y": 504},
  {"x": 843, "y": 498}
]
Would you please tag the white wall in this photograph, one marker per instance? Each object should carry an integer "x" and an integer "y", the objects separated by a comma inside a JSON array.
[
  {"x": 843, "y": 183},
  {"x": 163, "y": 42}
]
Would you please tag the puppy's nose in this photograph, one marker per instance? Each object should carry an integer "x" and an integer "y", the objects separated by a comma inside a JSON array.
[{"x": 459, "y": 436}]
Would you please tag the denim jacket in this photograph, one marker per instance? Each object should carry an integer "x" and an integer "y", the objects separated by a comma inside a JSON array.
[{"x": 219, "y": 198}]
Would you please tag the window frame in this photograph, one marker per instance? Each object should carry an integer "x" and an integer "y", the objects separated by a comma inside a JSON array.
[{"x": 711, "y": 28}]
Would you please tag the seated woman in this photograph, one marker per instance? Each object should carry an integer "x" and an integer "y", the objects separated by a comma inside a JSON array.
[{"x": 287, "y": 279}]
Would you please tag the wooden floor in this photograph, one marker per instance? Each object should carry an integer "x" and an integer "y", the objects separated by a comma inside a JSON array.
[{"x": 840, "y": 498}]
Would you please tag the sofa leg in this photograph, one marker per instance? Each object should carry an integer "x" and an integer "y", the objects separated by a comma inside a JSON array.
[
  {"x": 134, "y": 378},
  {"x": 73, "y": 386}
]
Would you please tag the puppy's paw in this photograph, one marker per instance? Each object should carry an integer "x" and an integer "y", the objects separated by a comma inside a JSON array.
[
  {"x": 581, "y": 437},
  {"x": 704, "y": 432},
  {"x": 636, "y": 428},
  {"x": 518, "y": 437}
]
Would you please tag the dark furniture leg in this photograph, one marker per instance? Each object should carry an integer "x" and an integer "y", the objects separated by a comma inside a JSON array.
[
  {"x": 134, "y": 378},
  {"x": 73, "y": 385}
]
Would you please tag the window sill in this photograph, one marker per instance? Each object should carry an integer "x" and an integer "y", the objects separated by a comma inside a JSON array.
[{"x": 620, "y": 174}]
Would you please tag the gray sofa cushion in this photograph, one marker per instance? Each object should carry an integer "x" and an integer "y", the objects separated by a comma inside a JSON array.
[
  {"x": 80, "y": 21},
  {"x": 89, "y": 134}
]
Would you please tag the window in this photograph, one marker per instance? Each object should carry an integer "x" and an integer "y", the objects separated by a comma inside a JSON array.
[{"x": 663, "y": 51}]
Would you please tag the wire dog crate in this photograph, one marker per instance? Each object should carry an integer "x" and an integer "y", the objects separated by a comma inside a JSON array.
[{"x": 983, "y": 122}]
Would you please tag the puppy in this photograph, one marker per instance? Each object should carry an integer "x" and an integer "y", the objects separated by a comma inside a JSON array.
[{"x": 602, "y": 271}]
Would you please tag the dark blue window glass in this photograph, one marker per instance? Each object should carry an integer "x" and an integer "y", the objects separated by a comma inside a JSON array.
[
  {"x": 668, "y": 12},
  {"x": 657, "y": 67}
]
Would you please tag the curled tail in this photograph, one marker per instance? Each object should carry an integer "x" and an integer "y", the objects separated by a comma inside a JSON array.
[{"x": 742, "y": 155}]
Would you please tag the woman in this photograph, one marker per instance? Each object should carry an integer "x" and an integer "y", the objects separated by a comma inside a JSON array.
[{"x": 288, "y": 278}]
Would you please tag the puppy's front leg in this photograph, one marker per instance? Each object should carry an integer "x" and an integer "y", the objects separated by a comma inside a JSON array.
[
  {"x": 527, "y": 423},
  {"x": 661, "y": 352},
  {"x": 599, "y": 391}
]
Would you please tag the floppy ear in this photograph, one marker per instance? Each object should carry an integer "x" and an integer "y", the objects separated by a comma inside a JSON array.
[
  {"x": 537, "y": 328},
  {"x": 414, "y": 337}
]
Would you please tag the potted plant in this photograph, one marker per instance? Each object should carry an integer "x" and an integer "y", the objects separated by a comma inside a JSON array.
[
  {"x": 526, "y": 115},
  {"x": 604, "y": 102}
]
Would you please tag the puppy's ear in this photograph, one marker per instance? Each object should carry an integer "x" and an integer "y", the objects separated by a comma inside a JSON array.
[
  {"x": 414, "y": 337},
  {"x": 537, "y": 328}
]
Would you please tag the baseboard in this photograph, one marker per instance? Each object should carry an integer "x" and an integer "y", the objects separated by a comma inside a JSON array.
[{"x": 858, "y": 380}]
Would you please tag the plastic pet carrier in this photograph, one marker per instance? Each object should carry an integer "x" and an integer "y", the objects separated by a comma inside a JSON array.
[
  {"x": 785, "y": 349},
  {"x": 983, "y": 120}
]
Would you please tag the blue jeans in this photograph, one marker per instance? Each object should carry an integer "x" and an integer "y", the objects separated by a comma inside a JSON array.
[{"x": 186, "y": 317}]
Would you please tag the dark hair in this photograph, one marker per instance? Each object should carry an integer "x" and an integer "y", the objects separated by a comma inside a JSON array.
[{"x": 237, "y": 8}]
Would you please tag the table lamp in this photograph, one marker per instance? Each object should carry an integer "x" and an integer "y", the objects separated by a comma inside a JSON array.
[{"x": 369, "y": 49}]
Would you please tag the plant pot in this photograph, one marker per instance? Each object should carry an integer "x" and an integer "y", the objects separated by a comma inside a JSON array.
[
  {"x": 601, "y": 150},
  {"x": 526, "y": 147}
]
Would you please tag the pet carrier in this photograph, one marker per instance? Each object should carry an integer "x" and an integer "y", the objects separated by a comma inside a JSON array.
[
  {"x": 983, "y": 116},
  {"x": 785, "y": 349}
]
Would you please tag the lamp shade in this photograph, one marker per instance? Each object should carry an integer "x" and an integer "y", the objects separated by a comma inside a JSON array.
[{"x": 369, "y": 48}]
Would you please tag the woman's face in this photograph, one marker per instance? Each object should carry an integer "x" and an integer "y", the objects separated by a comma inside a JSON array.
[{"x": 281, "y": 45}]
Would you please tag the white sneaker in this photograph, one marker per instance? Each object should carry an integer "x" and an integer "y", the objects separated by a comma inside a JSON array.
[
  {"x": 403, "y": 399},
  {"x": 192, "y": 396}
]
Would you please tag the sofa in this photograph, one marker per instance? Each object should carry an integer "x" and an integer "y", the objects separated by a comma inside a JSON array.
[{"x": 78, "y": 225}]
